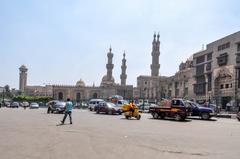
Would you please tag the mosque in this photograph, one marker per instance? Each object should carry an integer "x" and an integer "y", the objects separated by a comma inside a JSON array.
[{"x": 81, "y": 92}]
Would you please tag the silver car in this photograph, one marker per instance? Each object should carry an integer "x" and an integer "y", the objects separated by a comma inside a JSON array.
[{"x": 34, "y": 105}]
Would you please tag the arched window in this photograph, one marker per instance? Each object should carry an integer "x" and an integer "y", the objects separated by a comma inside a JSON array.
[
  {"x": 95, "y": 95},
  {"x": 60, "y": 96},
  {"x": 78, "y": 97}
]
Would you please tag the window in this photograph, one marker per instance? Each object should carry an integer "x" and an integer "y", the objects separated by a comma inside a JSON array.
[
  {"x": 238, "y": 47},
  {"x": 209, "y": 76},
  {"x": 224, "y": 46},
  {"x": 221, "y": 86},
  {"x": 145, "y": 82},
  {"x": 176, "y": 84},
  {"x": 200, "y": 69},
  {"x": 209, "y": 56},
  {"x": 200, "y": 59},
  {"x": 227, "y": 86},
  {"x": 208, "y": 67},
  {"x": 222, "y": 59}
]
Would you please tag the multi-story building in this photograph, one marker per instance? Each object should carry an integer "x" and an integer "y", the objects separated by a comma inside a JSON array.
[
  {"x": 181, "y": 84},
  {"x": 217, "y": 70}
]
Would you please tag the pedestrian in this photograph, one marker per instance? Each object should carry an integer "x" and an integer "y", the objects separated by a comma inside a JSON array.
[{"x": 68, "y": 111}]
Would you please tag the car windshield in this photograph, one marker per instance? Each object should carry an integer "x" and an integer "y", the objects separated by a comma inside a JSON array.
[
  {"x": 60, "y": 103},
  {"x": 195, "y": 105},
  {"x": 111, "y": 104}
]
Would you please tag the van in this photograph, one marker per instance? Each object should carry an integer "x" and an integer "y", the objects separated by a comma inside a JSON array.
[{"x": 93, "y": 103}]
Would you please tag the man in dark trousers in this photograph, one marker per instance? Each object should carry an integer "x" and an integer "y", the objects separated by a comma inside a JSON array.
[{"x": 68, "y": 111}]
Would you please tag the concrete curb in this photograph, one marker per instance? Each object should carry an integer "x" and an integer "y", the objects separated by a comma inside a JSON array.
[{"x": 230, "y": 116}]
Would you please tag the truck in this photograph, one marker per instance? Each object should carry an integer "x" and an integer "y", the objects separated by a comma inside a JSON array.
[{"x": 174, "y": 108}]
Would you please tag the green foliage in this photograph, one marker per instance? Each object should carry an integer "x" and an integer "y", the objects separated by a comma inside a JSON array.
[{"x": 32, "y": 98}]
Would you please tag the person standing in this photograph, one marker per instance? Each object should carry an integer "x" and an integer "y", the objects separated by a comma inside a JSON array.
[{"x": 68, "y": 111}]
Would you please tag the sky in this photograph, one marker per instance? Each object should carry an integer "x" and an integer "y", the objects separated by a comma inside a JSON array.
[{"x": 62, "y": 41}]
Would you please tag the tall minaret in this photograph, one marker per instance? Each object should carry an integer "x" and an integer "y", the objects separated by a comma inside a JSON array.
[
  {"x": 123, "y": 76},
  {"x": 155, "y": 56},
  {"x": 109, "y": 65},
  {"x": 22, "y": 78}
]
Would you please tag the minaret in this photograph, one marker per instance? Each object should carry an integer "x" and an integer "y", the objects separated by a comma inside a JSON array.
[
  {"x": 22, "y": 78},
  {"x": 109, "y": 65},
  {"x": 123, "y": 76},
  {"x": 155, "y": 56}
]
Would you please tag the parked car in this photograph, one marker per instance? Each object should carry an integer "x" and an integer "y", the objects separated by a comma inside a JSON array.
[
  {"x": 34, "y": 105},
  {"x": 93, "y": 103},
  {"x": 81, "y": 105},
  {"x": 25, "y": 104},
  {"x": 6, "y": 104},
  {"x": 144, "y": 107},
  {"x": 108, "y": 108},
  {"x": 56, "y": 106},
  {"x": 121, "y": 102},
  {"x": 14, "y": 105},
  {"x": 197, "y": 110}
]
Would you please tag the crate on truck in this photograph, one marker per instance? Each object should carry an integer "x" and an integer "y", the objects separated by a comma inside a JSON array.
[{"x": 174, "y": 108}]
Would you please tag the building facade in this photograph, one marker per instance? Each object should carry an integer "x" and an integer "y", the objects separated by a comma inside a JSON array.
[
  {"x": 152, "y": 87},
  {"x": 81, "y": 92},
  {"x": 217, "y": 72},
  {"x": 212, "y": 74}
]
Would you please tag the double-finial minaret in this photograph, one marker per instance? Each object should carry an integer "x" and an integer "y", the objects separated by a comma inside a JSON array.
[
  {"x": 155, "y": 66},
  {"x": 123, "y": 75},
  {"x": 109, "y": 65}
]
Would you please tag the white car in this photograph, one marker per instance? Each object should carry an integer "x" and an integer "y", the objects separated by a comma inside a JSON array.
[
  {"x": 93, "y": 103},
  {"x": 34, "y": 105}
]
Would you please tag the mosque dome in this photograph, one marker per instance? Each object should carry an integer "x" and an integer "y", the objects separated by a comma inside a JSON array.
[
  {"x": 105, "y": 81},
  {"x": 80, "y": 83}
]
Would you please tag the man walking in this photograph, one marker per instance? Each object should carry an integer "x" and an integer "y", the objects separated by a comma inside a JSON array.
[{"x": 68, "y": 111}]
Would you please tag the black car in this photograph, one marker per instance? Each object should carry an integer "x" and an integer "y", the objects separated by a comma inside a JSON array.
[
  {"x": 14, "y": 105},
  {"x": 56, "y": 106}
]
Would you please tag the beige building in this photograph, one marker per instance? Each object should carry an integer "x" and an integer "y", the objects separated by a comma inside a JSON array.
[
  {"x": 212, "y": 74},
  {"x": 216, "y": 71},
  {"x": 81, "y": 92},
  {"x": 152, "y": 87},
  {"x": 181, "y": 84}
]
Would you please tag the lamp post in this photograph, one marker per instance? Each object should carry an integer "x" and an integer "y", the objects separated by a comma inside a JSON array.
[{"x": 3, "y": 97}]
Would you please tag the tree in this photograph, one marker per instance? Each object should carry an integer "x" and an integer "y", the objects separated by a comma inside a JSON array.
[{"x": 7, "y": 88}]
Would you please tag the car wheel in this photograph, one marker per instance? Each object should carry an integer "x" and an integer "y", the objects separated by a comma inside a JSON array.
[
  {"x": 205, "y": 116},
  {"x": 162, "y": 115},
  {"x": 238, "y": 119},
  {"x": 97, "y": 111},
  {"x": 127, "y": 117},
  {"x": 110, "y": 112},
  {"x": 155, "y": 115},
  {"x": 178, "y": 117},
  {"x": 90, "y": 109}
]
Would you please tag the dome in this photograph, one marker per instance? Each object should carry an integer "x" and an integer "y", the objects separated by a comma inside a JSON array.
[
  {"x": 105, "y": 81},
  {"x": 80, "y": 83}
]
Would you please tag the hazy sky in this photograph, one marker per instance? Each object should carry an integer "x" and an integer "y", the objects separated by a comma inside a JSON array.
[{"x": 61, "y": 41}]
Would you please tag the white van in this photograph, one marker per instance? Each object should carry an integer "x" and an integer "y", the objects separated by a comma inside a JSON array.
[{"x": 93, "y": 103}]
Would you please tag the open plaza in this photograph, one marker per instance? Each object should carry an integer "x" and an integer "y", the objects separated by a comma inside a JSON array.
[{"x": 34, "y": 134}]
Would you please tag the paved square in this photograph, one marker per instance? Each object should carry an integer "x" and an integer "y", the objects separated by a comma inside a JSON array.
[{"x": 33, "y": 134}]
